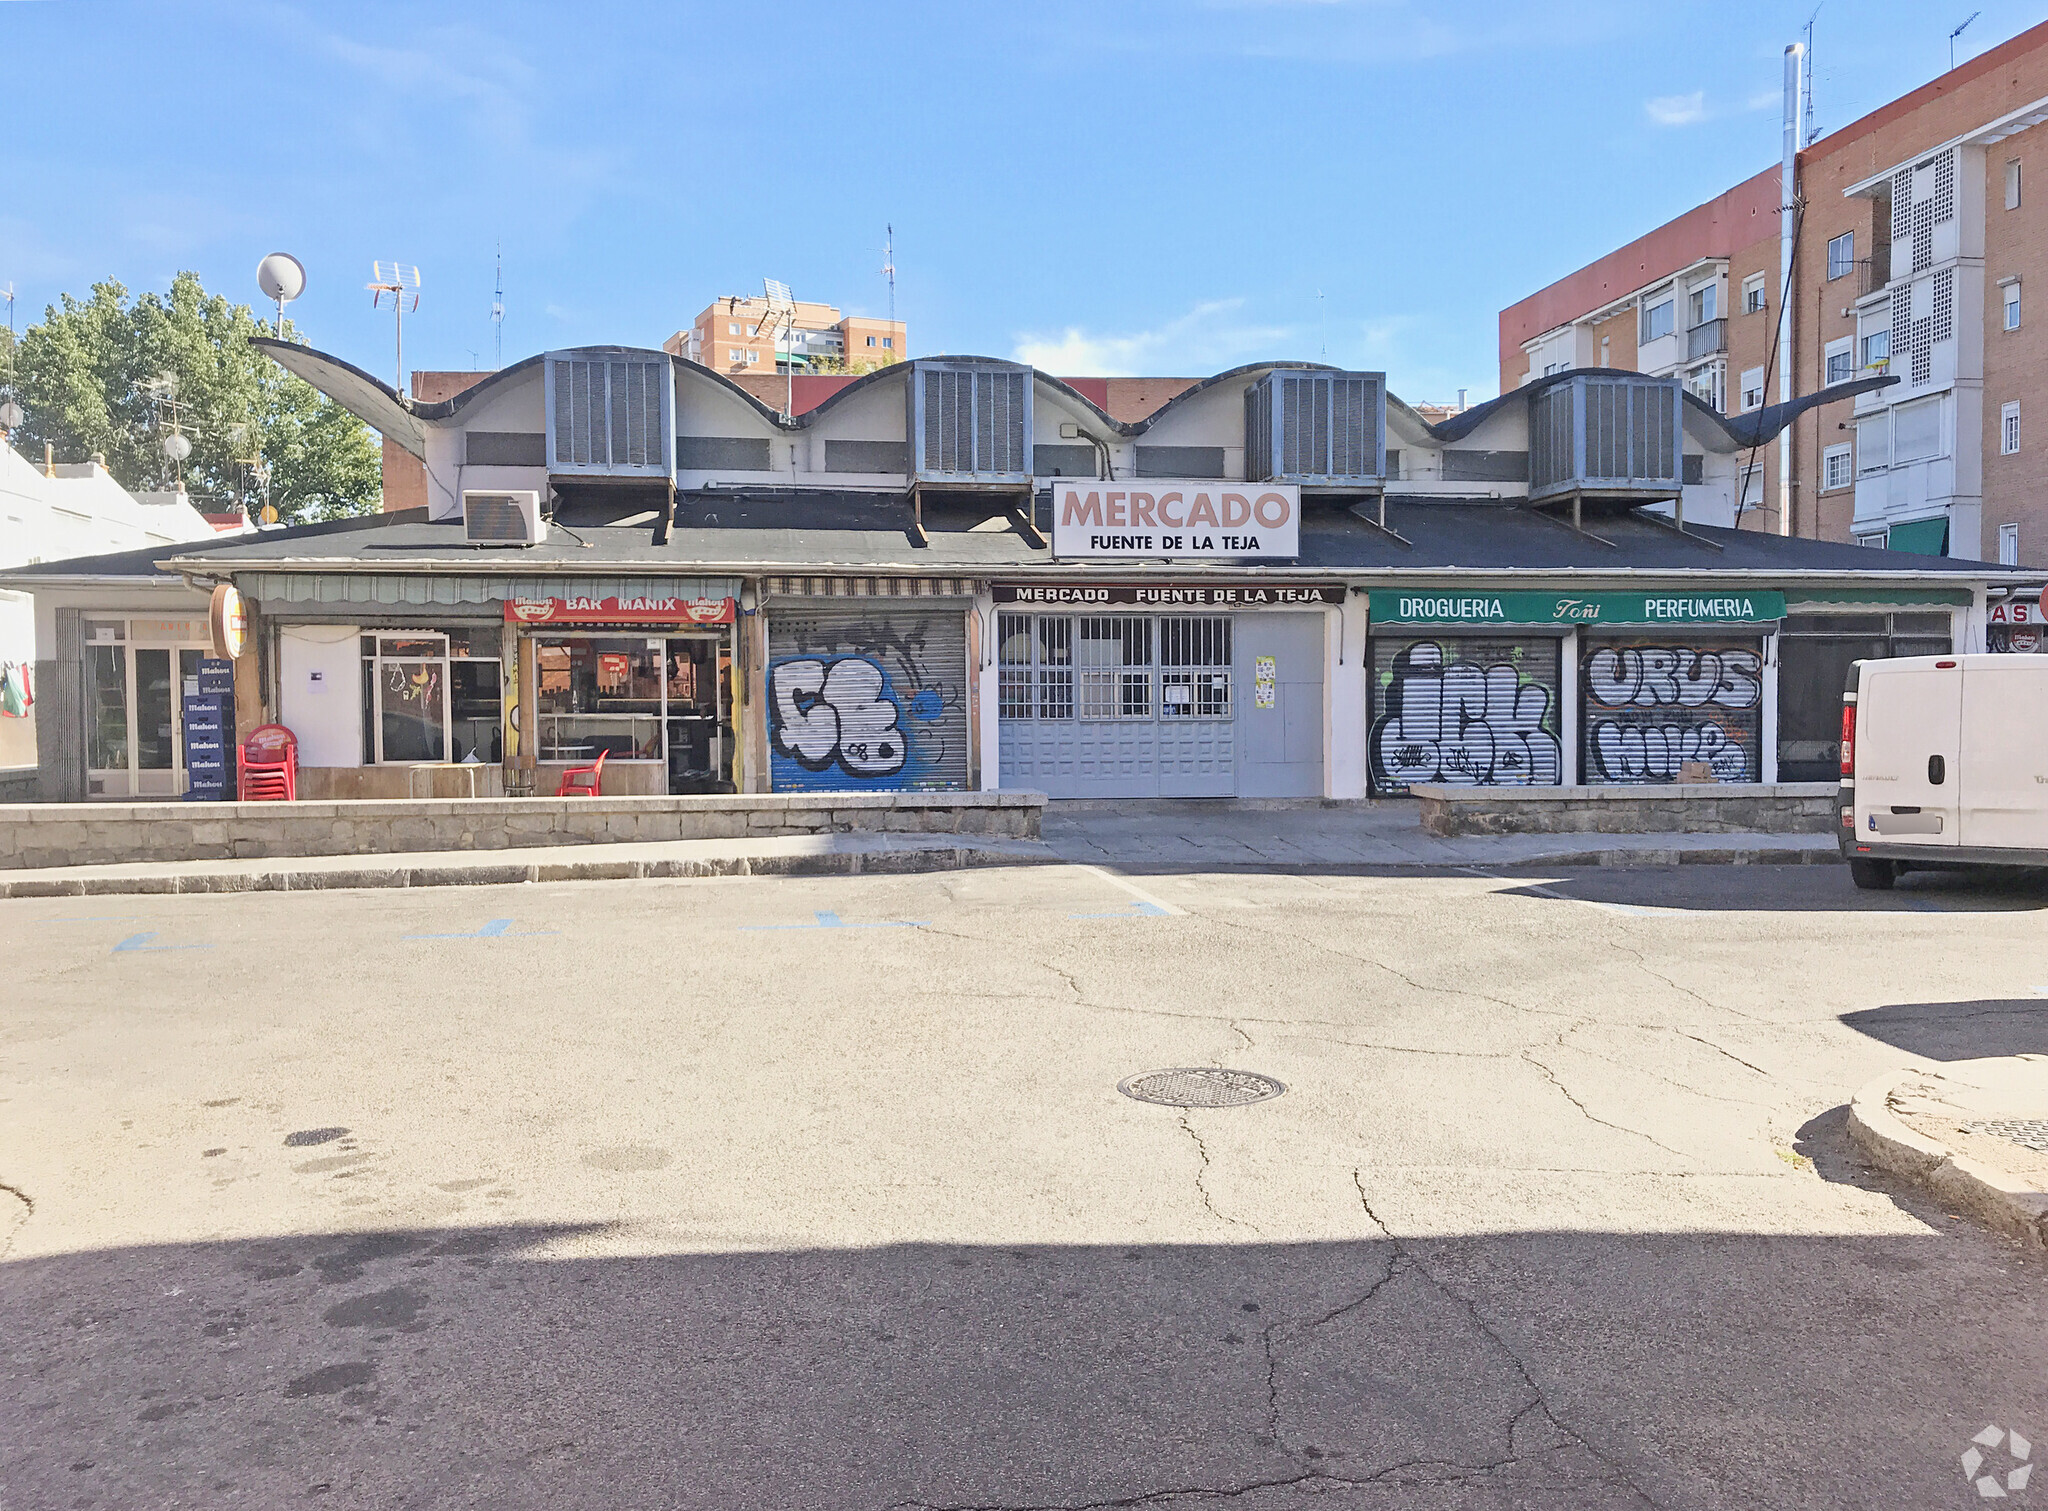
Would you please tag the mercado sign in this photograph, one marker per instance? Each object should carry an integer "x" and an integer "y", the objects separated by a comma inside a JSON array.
[
  {"x": 631, "y": 609},
  {"x": 1172, "y": 595},
  {"x": 1157, "y": 517},
  {"x": 1481, "y": 610}
]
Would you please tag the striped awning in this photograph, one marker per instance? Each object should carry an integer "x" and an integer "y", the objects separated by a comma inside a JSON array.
[{"x": 339, "y": 592}]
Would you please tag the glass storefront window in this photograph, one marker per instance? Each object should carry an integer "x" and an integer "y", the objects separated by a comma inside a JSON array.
[
  {"x": 156, "y": 733},
  {"x": 601, "y": 694},
  {"x": 107, "y": 715},
  {"x": 432, "y": 695}
]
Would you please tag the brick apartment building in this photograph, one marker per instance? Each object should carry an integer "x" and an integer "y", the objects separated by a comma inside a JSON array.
[
  {"x": 735, "y": 336},
  {"x": 1919, "y": 227}
]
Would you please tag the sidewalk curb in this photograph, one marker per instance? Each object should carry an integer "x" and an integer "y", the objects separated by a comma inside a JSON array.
[
  {"x": 1996, "y": 1198},
  {"x": 281, "y": 877}
]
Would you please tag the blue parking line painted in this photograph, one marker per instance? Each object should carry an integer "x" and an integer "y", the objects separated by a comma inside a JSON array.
[
  {"x": 497, "y": 928},
  {"x": 1136, "y": 910},
  {"x": 139, "y": 944},
  {"x": 832, "y": 921}
]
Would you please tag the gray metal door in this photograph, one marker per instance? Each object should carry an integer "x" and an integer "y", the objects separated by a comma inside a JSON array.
[
  {"x": 1280, "y": 690},
  {"x": 1117, "y": 705},
  {"x": 868, "y": 696}
]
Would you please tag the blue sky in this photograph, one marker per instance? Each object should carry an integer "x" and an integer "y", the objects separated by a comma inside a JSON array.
[{"x": 1099, "y": 186}]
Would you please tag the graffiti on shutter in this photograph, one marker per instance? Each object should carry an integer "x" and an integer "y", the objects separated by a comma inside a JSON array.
[{"x": 868, "y": 699}]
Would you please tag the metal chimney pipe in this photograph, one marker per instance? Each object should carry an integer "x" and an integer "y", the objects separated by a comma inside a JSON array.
[{"x": 1788, "y": 229}]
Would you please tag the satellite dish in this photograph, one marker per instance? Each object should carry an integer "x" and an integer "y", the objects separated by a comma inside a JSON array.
[
  {"x": 10, "y": 415},
  {"x": 176, "y": 447},
  {"x": 281, "y": 277}
]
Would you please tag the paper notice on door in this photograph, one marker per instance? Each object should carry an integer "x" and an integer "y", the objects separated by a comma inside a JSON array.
[{"x": 1265, "y": 671}]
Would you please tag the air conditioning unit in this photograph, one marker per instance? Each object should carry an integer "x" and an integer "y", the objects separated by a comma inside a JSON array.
[
  {"x": 611, "y": 413},
  {"x": 970, "y": 422},
  {"x": 502, "y": 519},
  {"x": 1316, "y": 427}
]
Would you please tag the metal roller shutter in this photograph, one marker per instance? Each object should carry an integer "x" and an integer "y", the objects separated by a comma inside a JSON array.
[
  {"x": 1673, "y": 710},
  {"x": 1465, "y": 711},
  {"x": 869, "y": 696}
]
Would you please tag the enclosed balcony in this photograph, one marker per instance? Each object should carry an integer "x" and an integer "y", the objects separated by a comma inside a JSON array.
[
  {"x": 1606, "y": 434},
  {"x": 1706, "y": 340}
]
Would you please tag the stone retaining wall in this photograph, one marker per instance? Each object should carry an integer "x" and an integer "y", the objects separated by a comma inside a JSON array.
[
  {"x": 78, "y": 834},
  {"x": 1730, "y": 808}
]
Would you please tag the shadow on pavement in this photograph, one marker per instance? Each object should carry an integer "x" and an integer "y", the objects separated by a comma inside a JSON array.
[
  {"x": 1786, "y": 889},
  {"x": 1958, "y": 1030},
  {"x": 1552, "y": 1370}
]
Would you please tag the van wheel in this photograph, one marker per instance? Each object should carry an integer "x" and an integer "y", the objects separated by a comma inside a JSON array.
[{"x": 1873, "y": 875}]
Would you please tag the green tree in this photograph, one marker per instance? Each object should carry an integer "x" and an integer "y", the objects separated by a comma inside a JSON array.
[{"x": 118, "y": 376}]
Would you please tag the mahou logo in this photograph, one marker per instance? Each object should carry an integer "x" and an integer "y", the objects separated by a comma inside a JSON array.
[{"x": 533, "y": 613}]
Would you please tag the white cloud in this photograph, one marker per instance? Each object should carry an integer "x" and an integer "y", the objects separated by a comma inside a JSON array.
[
  {"x": 1677, "y": 109},
  {"x": 1207, "y": 339}
]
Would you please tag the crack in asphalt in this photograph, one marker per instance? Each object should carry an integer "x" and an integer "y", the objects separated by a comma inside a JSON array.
[
  {"x": 1202, "y": 1177},
  {"x": 1642, "y": 1070},
  {"x": 1585, "y": 1112},
  {"x": 1538, "y": 1401},
  {"x": 28, "y": 1202}
]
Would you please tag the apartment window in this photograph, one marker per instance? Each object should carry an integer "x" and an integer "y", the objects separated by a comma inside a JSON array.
[
  {"x": 1916, "y": 431},
  {"x": 2012, "y": 185},
  {"x": 1842, "y": 255},
  {"x": 2012, "y": 304},
  {"x": 1875, "y": 542},
  {"x": 1841, "y": 360},
  {"x": 1753, "y": 388},
  {"x": 2009, "y": 429},
  {"x": 1753, "y": 294},
  {"x": 889, "y": 343},
  {"x": 733, "y": 329},
  {"x": 1873, "y": 444},
  {"x": 1657, "y": 320},
  {"x": 1704, "y": 305},
  {"x": 1550, "y": 368},
  {"x": 2009, "y": 535},
  {"x": 871, "y": 341},
  {"x": 1877, "y": 348},
  {"x": 1834, "y": 468}
]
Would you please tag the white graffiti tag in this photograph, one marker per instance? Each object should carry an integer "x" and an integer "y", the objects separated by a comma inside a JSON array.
[
  {"x": 836, "y": 711},
  {"x": 1463, "y": 724},
  {"x": 1659, "y": 752},
  {"x": 1664, "y": 676}
]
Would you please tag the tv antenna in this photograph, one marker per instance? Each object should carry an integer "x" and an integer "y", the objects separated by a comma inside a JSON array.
[
  {"x": 781, "y": 321},
  {"x": 498, "y": 313},
  {"x": 282, "y": 277},
  {"x": 889, "y": 268},
  {"x": 401, "y": 280},
  {"x": 8, "y": 295},
  {"x": 1808, "y": 135},
  {"x": 1957, "y": 33}
]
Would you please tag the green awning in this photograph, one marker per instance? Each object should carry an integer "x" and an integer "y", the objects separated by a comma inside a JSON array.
[{"x": 1923, "y": 537}]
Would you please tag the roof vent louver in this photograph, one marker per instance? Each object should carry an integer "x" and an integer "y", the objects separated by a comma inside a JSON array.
[
  {"x": 1606, "y": 434},
  {"x": 611, "y": 413},
  {"x": 970, "y": 422},
  {"x": 1316, "y": 427},
  {"x": 502, "y": 519}
]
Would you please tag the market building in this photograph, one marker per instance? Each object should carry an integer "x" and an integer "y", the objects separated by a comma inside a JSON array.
[{"x": 960, "y": 573}]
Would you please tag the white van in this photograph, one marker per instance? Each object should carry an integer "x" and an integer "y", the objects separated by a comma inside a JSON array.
[{"x": 1944, "y": 762}]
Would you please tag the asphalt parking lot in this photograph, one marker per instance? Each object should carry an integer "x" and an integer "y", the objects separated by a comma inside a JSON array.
[{"x": 821, "y": 1192}]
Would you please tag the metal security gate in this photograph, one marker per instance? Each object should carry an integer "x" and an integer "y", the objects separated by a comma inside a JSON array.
[
  {"x": 1464, "y": 711},
  {"x": 867, "y": 696},
  {"x": 1117, "y": 705},
  {"x": 1672, "y": 709}
]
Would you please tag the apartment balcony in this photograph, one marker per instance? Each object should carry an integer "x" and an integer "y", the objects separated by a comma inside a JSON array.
[
  {"x": 1873, "y": 273},
  {"x": 1707, "y": 340}
]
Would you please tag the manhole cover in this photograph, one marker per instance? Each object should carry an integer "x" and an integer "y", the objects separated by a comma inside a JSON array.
[
  {"x": 1200, "y": 1086},
  {"x": 2028, "y": 1133}
]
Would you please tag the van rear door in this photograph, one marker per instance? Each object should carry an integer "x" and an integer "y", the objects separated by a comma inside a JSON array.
[
  {"x": 2005, "y": 752},
  {"x": 1909, "y": 718}
]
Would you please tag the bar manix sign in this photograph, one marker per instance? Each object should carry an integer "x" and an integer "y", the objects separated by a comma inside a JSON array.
[{"x": 1199, "y": 519}]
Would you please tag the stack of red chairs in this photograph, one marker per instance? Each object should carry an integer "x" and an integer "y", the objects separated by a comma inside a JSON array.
[{"x": 267, "y": 766}]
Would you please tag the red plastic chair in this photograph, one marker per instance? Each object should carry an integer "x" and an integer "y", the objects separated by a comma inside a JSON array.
[
  {"x": 584, "y": 781},
  {"x": 267, "y": 766}
]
